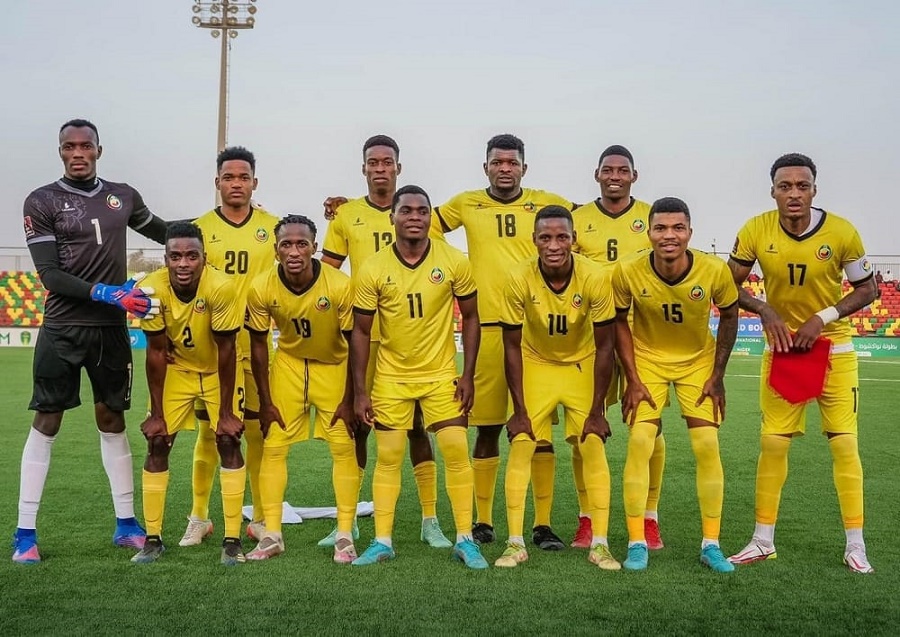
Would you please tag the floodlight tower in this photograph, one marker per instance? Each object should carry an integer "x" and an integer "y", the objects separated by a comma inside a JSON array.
[{"x": 225, "y": 19}]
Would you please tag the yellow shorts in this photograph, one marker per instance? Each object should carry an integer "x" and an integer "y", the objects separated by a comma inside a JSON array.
[
  {"x": 688, "y": 380},
  {"x": 547, "y": 385},
  {"x": 183, "y": 389},
  {"x": 838, "y": 404},
  {"x": 491, "y": 392},
  {"x": 297, "y": 385},
  {"x": 394, "y": 403}
]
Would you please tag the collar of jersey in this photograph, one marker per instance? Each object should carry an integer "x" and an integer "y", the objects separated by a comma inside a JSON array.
[
  {"x": 681, "y": 278},
  {"x": 802, "y": 237},
  {"x": 218, "y": 211},
  {"x": 411, "y": 266},
  {"x": 614, "y": 215},
  {"x": 317, "y": 270}
]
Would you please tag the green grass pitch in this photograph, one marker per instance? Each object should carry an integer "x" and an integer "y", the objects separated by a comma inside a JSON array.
[{"x": 85, "y": 585}]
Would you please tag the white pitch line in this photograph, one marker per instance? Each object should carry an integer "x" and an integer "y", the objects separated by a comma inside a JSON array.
[{"x": 868, "y": 380}]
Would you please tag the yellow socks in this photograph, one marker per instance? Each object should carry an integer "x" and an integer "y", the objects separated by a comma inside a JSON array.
[
  {"x": 710, "y": 479},
  {"x": 848, "y": 478},
  {"x": 345, "y": 479},
  {"x": 253, "y": 452},
  {"x": 771, "y": 472},
  {"x": 154, "y": 487},
  {"x": 454, "y": 446},
  {"x": 636, "y": 477},
  {"x": 485, "y": 471},
  {"x": 273, "y": 478},
  {"x": 543, "y": 477},
  {"x": 596, "y": 480},
  {"x": 426, "y": 483},
  {"x": 584, "y": 504},
  {"x": 657, "y": 465},
  {"x": 233, "y": 482},
  {"x": 206, "y": 459},
  {"x": 391, "y": 445},
  {"x": 519, "y": 466}
]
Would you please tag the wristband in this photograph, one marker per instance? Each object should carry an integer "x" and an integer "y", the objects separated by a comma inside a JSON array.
[{"x": 828, "y": 315}]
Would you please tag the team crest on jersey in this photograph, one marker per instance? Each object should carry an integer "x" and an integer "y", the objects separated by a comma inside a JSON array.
[
  {"x": 113, "y": 202},
  {"x": 262, "y": 235},
  {"x": 866, "y": 266},
  {"x": 697, "y": 293},
  {"x": 824, "y": 252},
  {"x": 323, "y": 304},
  {"x": 200, "y": 305},
  {"x": 577, "y": 300},
  {"x": 436, "y": 276},
  {"x": 638, "y": 225},
  {"x": 529, "y": 206}
]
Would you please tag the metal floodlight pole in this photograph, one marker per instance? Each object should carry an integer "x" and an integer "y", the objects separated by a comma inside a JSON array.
[{"x": 224, "y": 19}]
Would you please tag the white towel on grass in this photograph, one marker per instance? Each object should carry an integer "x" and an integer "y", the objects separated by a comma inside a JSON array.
[{"x": 295, "y": 515}]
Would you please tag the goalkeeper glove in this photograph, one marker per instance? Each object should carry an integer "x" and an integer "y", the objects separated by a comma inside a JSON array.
[{"x": 127, "y": 297}]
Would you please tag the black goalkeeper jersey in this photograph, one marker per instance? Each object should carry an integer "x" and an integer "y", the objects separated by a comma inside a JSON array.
[{"x": 88, "y": 228}]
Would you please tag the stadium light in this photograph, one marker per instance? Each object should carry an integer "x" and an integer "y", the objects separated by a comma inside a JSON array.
[{"x": 225, "y": 19}]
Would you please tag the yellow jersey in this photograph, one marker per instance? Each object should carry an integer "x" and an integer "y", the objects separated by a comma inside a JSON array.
[
  {"x": 606, "y": 238},
  {"x": 802, "y": 275},
  {"x": 190, "y": 325},
  {"x": 241, "y": 251},
  {"x": 311, "y": 322},
  {"x": 671, "y": 318},
  {"x": 558, "y": 325},
  {"x": 415, "y": 305},
  {"x": 498, "y": 236}
]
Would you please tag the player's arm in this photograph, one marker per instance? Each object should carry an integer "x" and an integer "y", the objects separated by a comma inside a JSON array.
[
  {"x": 714, "y": 388},
  {"x": 259, "y": 364},
  {"x": 336, "y": 247},
  {"x": 145, "y": 222},
  {"x": 519, "y": 422},
  {"x": 229, "y": 424},
  {"x": 635, "y": 390},
  {"x": 471, "y": 340},
  {"x": 604, "y": 342},
  {"x": 865, "y": 290},
  {"x": 332, "y": 259},
  {"x": 157, "y": 347},
  {"x": 359, "y": 361},
  {"x": 777, "y": 333}
]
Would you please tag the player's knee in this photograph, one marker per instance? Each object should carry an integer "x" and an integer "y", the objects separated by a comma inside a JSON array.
[
  {"x": 109, "y": 421},
  {"x": 454, "y": 446},
  {"x": 229, "y": 452},
  {"x": 47, "y": 423},
  {"x": 158, "y": 447}
]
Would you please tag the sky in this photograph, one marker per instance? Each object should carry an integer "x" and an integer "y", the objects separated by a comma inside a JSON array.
[{"x": 705, "y": 93}]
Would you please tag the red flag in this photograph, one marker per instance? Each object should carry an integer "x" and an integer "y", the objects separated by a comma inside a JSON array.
[{"x": 799, "y": 377}]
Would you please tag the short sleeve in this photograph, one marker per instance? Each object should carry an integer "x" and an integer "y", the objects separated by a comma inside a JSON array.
[
  {"x": 449, "y": 215},
  {"x": 140, "y": 214},
  {"x": 365, "y": 295},
  {"x": 159, "y": 281},
  {"x": 603, "y": 309},
  {"x": 512, "y": 311},
  {"x": 463, "y": 284},
  {"x": 257, "y": 318},
  {"x": 227, "y": 313},
  {"x": 336, "y": 244},
  {"x": 726, "y": 293},
  {"x": 744, "y": 251},
  {"x": 621, "y": 290}
]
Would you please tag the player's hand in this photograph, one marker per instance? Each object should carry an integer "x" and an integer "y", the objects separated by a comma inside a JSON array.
[
  {"x": 635, "y": 393},
  {"x": 230, "y": 426},
  {"x": 155, "y": 427},
  {"x": 362, "y": 407},
  {"x": 465, "y": 394},
  {"x": 127, "y": 297},
  {"x": 777, "y": 333},
  {"x": 596, "y": 424},
  {"x": 344, "y": 413},
  {"x": 331, "y": 205},
  {"x": 808, "y": 333},
  {"x": 519, "y": 423},
  {"x": 714, "y": 389},
  {"x": 269, "y": 414}
]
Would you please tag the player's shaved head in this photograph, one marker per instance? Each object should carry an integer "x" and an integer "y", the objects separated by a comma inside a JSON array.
[
  {"x": 506, "y": 142},
  {"x": 791, "y": 160},
  {"x": 184, "y": 230},
  {"x": 669, "y": 205},
  {"x": 298, "y": 219},
  {"x": 238, "y": 153},
  {"x": 554, "y": 212},
  {"x": 617, "y": 151},
  {"x": 382, "y": 140},
  {"x": 80, "y": 123}
]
